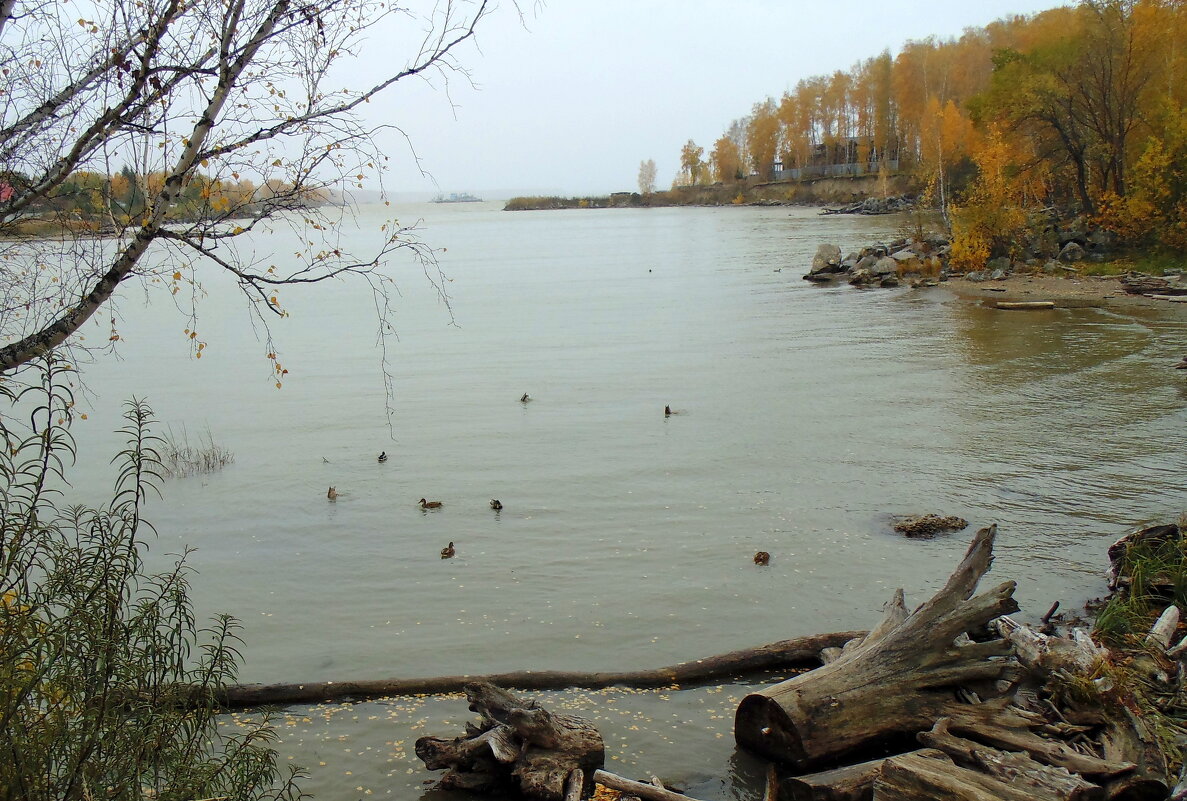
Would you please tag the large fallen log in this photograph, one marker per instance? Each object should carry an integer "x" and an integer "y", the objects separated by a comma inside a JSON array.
[
  {"x": 898, "y": 681},
  {"x": 518, "y": 745},
  {"x": 798, "y": 653}
]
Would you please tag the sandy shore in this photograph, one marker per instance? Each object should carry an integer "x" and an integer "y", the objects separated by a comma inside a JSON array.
[{"x": 1065, "y": 293}]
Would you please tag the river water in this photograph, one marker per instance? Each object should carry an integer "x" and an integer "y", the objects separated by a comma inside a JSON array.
[{"x": 807, "y": 417}]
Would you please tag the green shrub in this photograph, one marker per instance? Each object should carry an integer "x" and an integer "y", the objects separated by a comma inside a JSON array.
[{"x": 107, "y": 685}]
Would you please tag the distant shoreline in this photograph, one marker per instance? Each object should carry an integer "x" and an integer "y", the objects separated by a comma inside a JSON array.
[{"x": 836, "y": 191}]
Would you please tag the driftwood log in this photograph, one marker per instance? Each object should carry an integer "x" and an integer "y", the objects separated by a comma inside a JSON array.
[
  {"x": 1143, "y": 284},
  {"x": 652, "y": 792},
  {"x": 518, "y": 745},
  {"x": 898, "y": 680},
  {"x": 850, "y": 783},
  {"x": 919, "y": 776},
  {"x": 1017, "y": 768},
  {"x": 801, "y": 652}
]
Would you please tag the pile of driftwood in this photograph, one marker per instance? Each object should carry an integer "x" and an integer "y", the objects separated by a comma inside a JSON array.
[
  {"x": 954, "y": 700},
  {"x": 1153, "y": 285}
]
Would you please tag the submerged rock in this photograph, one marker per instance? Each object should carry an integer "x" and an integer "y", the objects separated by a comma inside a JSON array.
[{"x": 928, "y": 525}]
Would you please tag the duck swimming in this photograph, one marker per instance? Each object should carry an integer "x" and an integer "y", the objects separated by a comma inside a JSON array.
[
  {"x": 525, "y": 398},
  {"x": 430, "y": 504},
  {"x": 448, "y": 552},
  {"x": 496, "y": 504},
  {"x": 332, "y": 494},
  {"x": 762, "y": 558},
  {"x": 382, "y": 457},
  {"x": 667, "y": 411}
]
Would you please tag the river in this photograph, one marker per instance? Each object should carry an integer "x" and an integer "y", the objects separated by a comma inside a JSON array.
[{"x": 807, "y": 417}]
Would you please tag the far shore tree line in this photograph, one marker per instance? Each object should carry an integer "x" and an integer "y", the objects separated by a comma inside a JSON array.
[
  {"x": 96, "y": 201},
  {"x": 1079, "y": 110}
]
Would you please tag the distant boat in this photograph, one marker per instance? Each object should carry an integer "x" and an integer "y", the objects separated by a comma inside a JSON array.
[{"x": 454, "y": 197}]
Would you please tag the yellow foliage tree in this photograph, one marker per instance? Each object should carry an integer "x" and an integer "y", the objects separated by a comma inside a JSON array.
[{"x": 992, "y": 221}]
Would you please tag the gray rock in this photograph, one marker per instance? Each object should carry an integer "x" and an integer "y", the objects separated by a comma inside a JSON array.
[
  {"x": 862, "y": 278},
  {"x": 997, "y": 275},
  {"x": 889, "y": 281},
  {"x": 977, "y": 276},
  {"x": 826, "y": 256},
  {"x": 867, "y": 262},
  {"x": 1001, "y": 263},
  {"x": 1071, "y": 252},
  {"x": 885, "y": 266},
  {"x": 1100, "y": 239},
  {"x": 1052, "y": 268}
]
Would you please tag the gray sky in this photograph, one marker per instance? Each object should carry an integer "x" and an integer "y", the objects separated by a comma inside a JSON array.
[{"x": 570, "y": 101}]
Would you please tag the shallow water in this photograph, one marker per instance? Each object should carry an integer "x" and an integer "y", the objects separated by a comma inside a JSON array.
[{"x": 807, "y": 417}]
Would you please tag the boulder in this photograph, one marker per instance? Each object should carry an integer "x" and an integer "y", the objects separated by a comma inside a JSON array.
[
  {"x": 889, "y": 281},
  {"x": 827, "y": 256},
  {"x": 1001, "y": 263},
  {"x": 866, "y": 262},
  {"x": 862, "y": 278},
  {"x": 997, "y": 275},
  {"x": 886, "y": 265},
  {"x": 1101, "y": 239},
  {"x": 1071, "y": 252},
  {"x": 977, "y": 276}
]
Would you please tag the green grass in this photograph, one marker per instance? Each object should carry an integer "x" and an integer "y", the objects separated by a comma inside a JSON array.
[
  {"x": 1158, "y": 577},
  {"x": 1152, "y": 262}
]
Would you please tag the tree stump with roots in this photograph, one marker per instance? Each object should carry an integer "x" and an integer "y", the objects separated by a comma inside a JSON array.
[
  {"x": 518, "y": 745},
  {"x": 897, "y": 681}
]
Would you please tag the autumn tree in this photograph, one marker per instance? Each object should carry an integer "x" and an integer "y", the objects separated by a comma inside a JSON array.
[
  {"x": 946, "y": 137},
  {"x": 230, "y": 89},
  {"x": 725, "y": 161},
  {"x": 762, "y": 138},
  {"x": 647, "y": 177},
  {"x": 692, "y": 167}
]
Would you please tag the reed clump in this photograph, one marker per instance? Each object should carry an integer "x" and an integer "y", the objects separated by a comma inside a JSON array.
[{"x": 180, "y": 458}]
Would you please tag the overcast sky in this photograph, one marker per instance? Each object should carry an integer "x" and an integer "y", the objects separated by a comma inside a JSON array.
[{"x": 571, "y": 100}]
